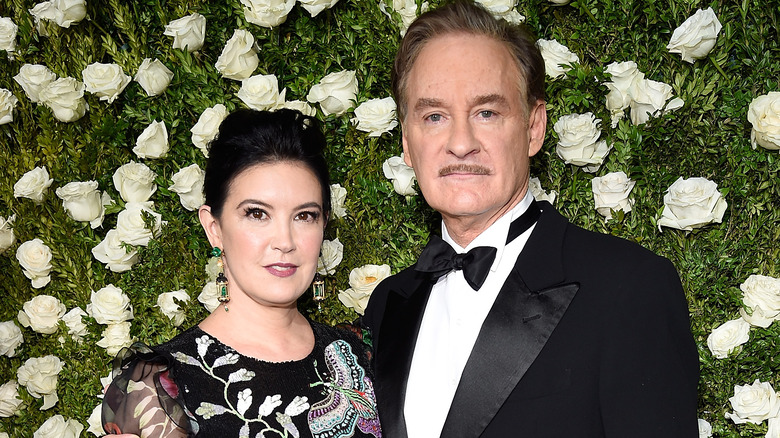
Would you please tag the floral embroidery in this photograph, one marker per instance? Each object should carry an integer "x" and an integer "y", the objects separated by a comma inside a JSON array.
[
  {"x": 243, "y": 401},
  {"x": 350, "y": 399}
]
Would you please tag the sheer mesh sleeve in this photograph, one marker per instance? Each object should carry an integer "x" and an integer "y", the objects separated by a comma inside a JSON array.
[{"x": 143, "y": 398}]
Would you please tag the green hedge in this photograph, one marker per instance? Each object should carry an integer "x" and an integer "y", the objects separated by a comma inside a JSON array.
[{"x": 709, "y": 137}]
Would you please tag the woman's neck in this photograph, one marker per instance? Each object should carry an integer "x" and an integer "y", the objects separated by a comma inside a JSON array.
[{"x": 271, "y": 334}]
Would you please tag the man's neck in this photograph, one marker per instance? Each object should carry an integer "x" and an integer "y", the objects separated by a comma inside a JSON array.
[{"x": 464, "y": 229}]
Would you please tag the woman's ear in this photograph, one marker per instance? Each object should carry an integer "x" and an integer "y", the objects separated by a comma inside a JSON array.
[{"x": 210, "y": 225}]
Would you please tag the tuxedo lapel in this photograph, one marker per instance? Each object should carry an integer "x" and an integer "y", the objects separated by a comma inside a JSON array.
[
  {"x": 395, "y": 350},
  {"x": 514, "y": 332}
]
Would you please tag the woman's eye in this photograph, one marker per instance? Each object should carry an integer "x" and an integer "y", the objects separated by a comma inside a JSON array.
[
  {"x": 308, "y": 216},
  {"x": 256, "y": 213}
]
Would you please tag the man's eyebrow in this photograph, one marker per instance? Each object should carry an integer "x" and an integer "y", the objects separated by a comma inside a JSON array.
[
  {"x": 489, "y": 98},
  {"x": 427, "y": 102}
]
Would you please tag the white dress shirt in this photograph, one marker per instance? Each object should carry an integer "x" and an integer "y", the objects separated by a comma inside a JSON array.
[{"x": 452, "y": 320}]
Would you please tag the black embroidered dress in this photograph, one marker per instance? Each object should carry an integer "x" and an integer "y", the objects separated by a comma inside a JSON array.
[{"x": 195, "y": 385}]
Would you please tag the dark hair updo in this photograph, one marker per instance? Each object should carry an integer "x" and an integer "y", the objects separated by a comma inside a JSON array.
[{"x": 249, "y": 137}]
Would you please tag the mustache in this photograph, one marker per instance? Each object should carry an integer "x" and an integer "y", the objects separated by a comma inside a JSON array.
[{"x": 464, "y": 168}]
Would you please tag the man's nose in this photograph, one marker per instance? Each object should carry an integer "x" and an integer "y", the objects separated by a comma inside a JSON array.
[{"x": 462, "y": 140}]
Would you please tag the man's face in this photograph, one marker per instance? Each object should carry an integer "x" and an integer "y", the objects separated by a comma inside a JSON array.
[{"x": 466, "y": 132}]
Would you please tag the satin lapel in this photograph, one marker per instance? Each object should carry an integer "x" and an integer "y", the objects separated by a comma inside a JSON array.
[
  {"x": 514, "y": 332},
  {"x": 400, "y": 325}
]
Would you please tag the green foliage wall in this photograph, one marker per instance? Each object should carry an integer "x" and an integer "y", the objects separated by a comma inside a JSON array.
[{"x": 709, "y": 137}]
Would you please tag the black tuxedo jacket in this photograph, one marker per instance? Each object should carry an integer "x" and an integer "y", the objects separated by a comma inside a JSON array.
[{"x": 588, "y": 337}]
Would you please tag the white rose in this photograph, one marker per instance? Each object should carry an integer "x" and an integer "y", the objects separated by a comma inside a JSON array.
[
  {"x": 624, "y": 76},
  {"x": 705, "y": 429},
  {"x": 69, "y": 11},
  {"x": 611, "y": 193},
  {"x": 7, "y": 236},
  {"x": 10, "y": 338},
  {"x": 130, "y": 225},
  {"x": 365, "y": 278},
  {"x": 400, "y": 174},
  {"x": 535, "y": 187},
  {"x": 764, "y": 115},
  {"x": 314, "y": 7},
  {"x": 209, "y": 296},
  {"x": 77, "y": 329},
  {"x": 33, "y": 184},
  {"x": 42, "y": 314},
  {"x": 239, "y": 58},
  {"x": 116, "y": 337},
  {"x": 407, "y": 9},
  {"x": 207, "y": 127},
  {"x": 8, "y": 34},
  {"x": 338, "y": 197},
  {"x": 556, "y": 57},
  {"x": 331, "y": 254},
  {"x": 113, "y": 253},
  {"x": 43, "y": 11},
  {"x": 65, "y": 97},
  {"x": 578, "y": 141},
  {"x": 10, "y": 403},
  {"x": 335, "y": 93},
  {"x": 499, "y": 7},
  {"x": 39, "y": 376},
  {"x": 105, "y": 80},
  {"x": 110, "y": 305},
  {"x": 761, "y": 294},
  {"x": 95, "y": 421},
  {"x": 135, "y": 182},
  {"x": 35, "y": 257},
  {"x": 773, "y": 431},
  {"x": 692, "y": 203},
  {"x": 153, "y": 141},
  {"x": 7, "y": 105},
  {"x": 354, "y": 300},
  {"x": 375, "y": 116},
  {"x": 83, "y": 202},
  {"x": 188, "y": 183},
  {"x": 267, "y": 13},
  {"x": 188, "y": 32},
  {"x": 33, "y": 78},
  {"x": 753, "y": 403},
  {"x": 212, "y": 268},
  {"x": 168, "y": 302},
  {"x": 153, "y": 76},
  {"x": 261, "y": 92},
  {"x": 301, "y": 106},
  {"x": 727, "y": 338},
  {"x": 559, "y": 2},
  {"x": 696, "y": 36},
  {"x": 649, "y": 98},
  {"x": 57, "y": 427}
]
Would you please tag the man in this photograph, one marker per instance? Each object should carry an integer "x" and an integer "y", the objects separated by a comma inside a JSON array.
[{"x": 571, "y": 333}]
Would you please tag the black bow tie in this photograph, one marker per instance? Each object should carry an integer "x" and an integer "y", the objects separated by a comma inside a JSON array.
[{"x": 438, "y": 258}]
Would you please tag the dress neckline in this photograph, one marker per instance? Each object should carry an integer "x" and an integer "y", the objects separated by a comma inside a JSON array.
[{"x": 199, "y": 332}]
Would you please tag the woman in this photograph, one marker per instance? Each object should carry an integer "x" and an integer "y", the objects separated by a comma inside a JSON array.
[{"x": 256, "y": 366}]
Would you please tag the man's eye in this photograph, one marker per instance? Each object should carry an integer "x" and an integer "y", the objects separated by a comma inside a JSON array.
[
  {"x": 434, "y": 117},
  {"x": 486, "y": 114}
]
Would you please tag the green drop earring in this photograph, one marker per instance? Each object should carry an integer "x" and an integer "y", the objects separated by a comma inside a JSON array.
[{"x": 222, "y": 281}]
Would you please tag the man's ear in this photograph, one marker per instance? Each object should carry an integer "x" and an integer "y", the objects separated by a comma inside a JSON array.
[
  {"x": 407, "y": 155},
  {"x": 210, "y": 225},
  {"x": 537, "y": 126}
]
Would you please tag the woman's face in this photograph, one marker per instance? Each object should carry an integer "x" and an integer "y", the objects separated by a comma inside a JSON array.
[{"x": 271, "y": 230}]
